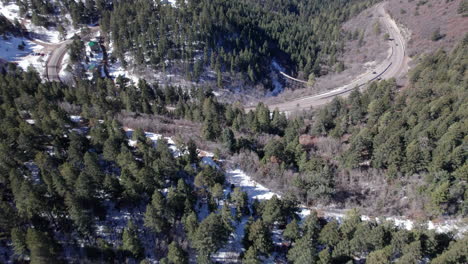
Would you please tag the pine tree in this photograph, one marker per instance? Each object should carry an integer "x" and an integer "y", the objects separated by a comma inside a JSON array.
[
  {"x": 278, "y": 122},
  {"x": 175, "y": 203},
  {"x": 192, "y": 152},
  {"x": 240, "y": 200},
  {"x": 211, "y": 128},
  {"x": 217, "y": 193},
  {"x": 191, "y": 225},
  {"x": 311, "y": 226},
  {"x": 272, "y": 211},
  {"x": 81, "y": 216},
  {"x": 329, "y": 234},
  {"x": 292, "y": 230},
  {"x": 84, "y": 187},
  {"x": 260, "y": 237},
  {"x": 130, "y": 241},
  {"x": 303, "y": 251},
  {"x": 251, "y": 257},
  {"x": 325, "y": 256},
  {"x": 211, "y": 234},
  {"x": 18, "y": 239},
  {"x": 176, "y": 254},
  {"x": 350, "y": 224},
  {"x": 155, "y": 215},
  {"x": 262, "y": 114},
  {"x": 226, "y": 216},
  {"x": 381, "y": 256},
  {"x": 92, "y": 168},
  {"x": 412, "y": 253},
  {"x": 229, "y": 140},
  {"x": 42, "y": 247}
]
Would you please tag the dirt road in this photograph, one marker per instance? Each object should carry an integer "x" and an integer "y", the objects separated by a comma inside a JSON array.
[{"x": 393, "y": 66}]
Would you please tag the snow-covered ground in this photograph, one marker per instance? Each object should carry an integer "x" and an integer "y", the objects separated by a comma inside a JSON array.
[
  {"x": 35, "y": 52},
  {"x": 171, "y": 2},
  {"x": 48, "y": 35},
  {"x": 76, "y": 118},
  {"x": 154, "y": 138},
  {"x": 10, "y": 11},
  {"x": 254, "y": 190},
  {"x": 260, "y": 192},
  {"x": 64, "y": 74},
  {"x": 10, "y": 50},
  {"x": 233, "y": 249},
  {"x": 116, "y": 69}
]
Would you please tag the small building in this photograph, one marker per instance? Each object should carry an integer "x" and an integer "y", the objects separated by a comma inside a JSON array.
[{"x": 94, "y": 46}]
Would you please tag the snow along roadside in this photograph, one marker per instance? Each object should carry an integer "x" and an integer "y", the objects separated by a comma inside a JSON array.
[{"x": 257, "y": 191}]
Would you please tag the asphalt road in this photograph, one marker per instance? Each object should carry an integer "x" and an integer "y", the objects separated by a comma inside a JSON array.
[
  {"x": 393, "y": 66},
  {"x": 54, "y": 62}
]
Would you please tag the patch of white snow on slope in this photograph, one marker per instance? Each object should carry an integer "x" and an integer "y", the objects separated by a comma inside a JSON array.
[
  {"x": 25, "y": 57},
  {"x": 254, "y": 190},
  {"x": 231, "y": 252},
  {"x": 154, "y": 138},
  {"x": 116, "y": 69},
  {"x": 257, "y": 191},
  {"x": 210, "y": 162},
  {"x": 10, "y": 11},
  {"x": 172, "y": 2},
  {"x": 75, "y": 118},
  {"x": 64, "y": 74}
]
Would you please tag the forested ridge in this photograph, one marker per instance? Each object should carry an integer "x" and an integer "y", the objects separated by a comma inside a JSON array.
[
  {"x": 65, "y": 183},
  {"x": 85, "y": 176},
  {"x": 413, "y": 142},
  {"x": 232, "y": 36},
  {"x": 239, "y": 39}
]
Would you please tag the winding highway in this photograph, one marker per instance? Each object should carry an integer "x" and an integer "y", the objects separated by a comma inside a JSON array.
[{"x": 393, "y": 66}]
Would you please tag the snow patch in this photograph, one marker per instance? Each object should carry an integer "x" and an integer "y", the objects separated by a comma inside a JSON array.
[
  {"x": 10, "y": 11},
  {"x": 116, "y": 69},
  {"x": 76, "y": 118},
  {"x": 171, "y": 2},
  {"x": 26, "y": 56},
  {"x": 210, "y": 162},
  {"x": 154, "y": 138},
  {"x": 254, "y": 190},
  {"x": 258, "y": 191}
]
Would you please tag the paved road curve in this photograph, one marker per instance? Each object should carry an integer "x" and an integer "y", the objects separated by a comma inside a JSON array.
[
  {"x": 54, "y": 62},
  {"x": 393, "y": 66}
]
